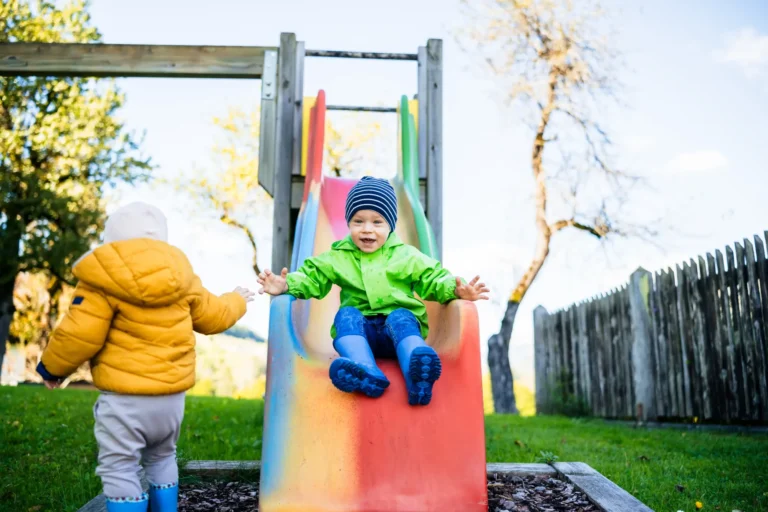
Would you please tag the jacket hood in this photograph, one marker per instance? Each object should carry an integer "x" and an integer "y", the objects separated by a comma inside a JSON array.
[
  {"x": 140, "y": 271},
  {"x": 136, "y": 220}
]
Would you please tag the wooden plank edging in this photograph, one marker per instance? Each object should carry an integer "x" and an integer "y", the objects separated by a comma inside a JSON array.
[{"x": 601, "y": 491}]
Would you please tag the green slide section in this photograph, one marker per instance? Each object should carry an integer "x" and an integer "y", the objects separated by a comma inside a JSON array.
[{"x": 409, "y": 148}]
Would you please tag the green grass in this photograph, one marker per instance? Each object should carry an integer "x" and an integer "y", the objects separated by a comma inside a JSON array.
[
  {"x": 723, "y": 471},
  {"x": 48, "y": 455}
]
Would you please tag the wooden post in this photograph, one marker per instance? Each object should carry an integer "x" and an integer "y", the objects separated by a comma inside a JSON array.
[
  {"x": 435, "y": 140},
  {"x": 284, "y": 151},
  {"x": 643, "y": 366},
  {"x": 540, "y": 354}
]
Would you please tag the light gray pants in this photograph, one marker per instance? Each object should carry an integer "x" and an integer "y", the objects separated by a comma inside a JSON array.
[{"x": 132, "y": 430}]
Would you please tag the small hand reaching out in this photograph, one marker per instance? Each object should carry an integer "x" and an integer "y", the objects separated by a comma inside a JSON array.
[
  {"x": 52, "y": 384},
  {"x": 273, "y": 284},
  {"x": 245, "y": 293},
  {"x": 471, "y": 291}
]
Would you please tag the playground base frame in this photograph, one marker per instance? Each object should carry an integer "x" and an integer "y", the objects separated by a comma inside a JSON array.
[{"x": 605, "y": 494}]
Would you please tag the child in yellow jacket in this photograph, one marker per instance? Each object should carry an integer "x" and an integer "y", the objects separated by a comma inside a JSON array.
[{"x": 135, "y": 307}]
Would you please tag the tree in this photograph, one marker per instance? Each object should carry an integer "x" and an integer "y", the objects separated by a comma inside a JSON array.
[
  {"x": 60, "y": 145},
  {"x": 351, "y": 145},
  {"x": 553, "y": 59},
  {"x": 230, "y": 190}
]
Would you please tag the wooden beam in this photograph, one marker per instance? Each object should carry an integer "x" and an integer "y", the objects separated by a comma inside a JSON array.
[
  {"x": 267, "y": 132},
  {"x": 423, "y": 114},
  {"x": 118, "y": 60}
]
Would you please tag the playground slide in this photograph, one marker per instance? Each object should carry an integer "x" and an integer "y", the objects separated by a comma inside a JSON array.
[{"x": 325, "y": 450}]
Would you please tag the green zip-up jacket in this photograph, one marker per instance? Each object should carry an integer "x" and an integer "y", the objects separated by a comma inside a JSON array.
[{"x": 375, "y": 283}]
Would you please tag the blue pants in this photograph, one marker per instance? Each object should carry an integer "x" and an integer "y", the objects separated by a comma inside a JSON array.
[
  {"x": 360, "y": 339},
  {"x": 383, "y": 332}
]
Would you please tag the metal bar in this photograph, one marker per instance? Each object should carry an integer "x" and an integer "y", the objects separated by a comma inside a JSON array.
[
  {"x": 352, "y": 108},
  {"x": 128, "y": 60},
  {"x": 284, "y": 151},
  {"x": 361, "y": 55},
  {"x": 435, "y": 140}
]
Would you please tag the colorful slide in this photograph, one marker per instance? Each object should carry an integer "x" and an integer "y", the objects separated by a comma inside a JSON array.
[{"x": 325, "y": 450}]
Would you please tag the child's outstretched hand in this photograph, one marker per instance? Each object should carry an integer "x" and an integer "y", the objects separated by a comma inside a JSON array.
[
  {"x": 273, "y": 284},
  {"x": 245, "y": 293},
  {"x": 52, "y": 384},
  {"x": 472, "y": 290}
]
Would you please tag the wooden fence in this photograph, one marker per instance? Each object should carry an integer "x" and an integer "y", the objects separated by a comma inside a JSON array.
[{"x": 678, "y": 344}]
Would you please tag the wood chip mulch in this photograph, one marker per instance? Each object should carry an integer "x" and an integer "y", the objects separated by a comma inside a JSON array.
[
  {"x": 506, "y": 493},
  {"x": 221, "y": 496}
]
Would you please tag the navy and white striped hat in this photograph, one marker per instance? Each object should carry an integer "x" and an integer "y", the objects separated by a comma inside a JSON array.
[{"x": 373, "y": 194}]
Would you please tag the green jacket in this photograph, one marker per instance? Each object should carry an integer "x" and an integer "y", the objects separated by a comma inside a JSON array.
[{"x": 375, "y": 283}]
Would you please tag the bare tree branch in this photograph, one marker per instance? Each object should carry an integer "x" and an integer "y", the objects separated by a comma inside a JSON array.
[
  {"x": 229, "y": 221},
  {"x": 596, "y": 231}
]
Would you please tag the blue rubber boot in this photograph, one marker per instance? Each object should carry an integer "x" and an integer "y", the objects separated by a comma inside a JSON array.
[
  {"x": 356, "y": 369},
  {"x": 421, "y": 368},
  {"x": 163, "y": 498},
  {"x": 128, "y": 504}
]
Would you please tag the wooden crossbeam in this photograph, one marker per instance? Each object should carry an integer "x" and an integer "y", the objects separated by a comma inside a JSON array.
[{"x": 119, "y": 60}]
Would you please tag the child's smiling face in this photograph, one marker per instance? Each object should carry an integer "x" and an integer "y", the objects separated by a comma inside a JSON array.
[{"x": 369, "y": 230}]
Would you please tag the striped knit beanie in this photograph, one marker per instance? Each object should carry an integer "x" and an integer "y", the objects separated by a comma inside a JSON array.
[{"x": 373, "y": 194}]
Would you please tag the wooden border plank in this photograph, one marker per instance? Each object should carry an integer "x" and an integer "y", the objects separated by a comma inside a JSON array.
[
  {"x": 601, "y": 491},
  {"x": 131, "y": 60},
  {"x": 520, "y": 469}
]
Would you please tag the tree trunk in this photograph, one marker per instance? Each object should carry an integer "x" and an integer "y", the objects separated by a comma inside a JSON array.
[
  {"x": 502, "y": 382},
  {"x": 6, "y": 315},
  {"x": 498, "y": 345}
]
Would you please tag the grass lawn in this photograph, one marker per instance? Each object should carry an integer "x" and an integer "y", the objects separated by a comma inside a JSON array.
[{"x": 47, "y": 452}]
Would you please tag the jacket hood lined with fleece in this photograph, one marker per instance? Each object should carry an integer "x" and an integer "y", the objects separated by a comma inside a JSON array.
[{"x": 136, "y": 264}]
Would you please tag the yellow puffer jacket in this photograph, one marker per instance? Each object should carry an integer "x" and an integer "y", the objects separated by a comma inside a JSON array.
[{"x": 134, "y": 311}]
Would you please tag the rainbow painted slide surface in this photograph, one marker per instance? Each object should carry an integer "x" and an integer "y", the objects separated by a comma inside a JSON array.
[{"x": 325, "y": 450}]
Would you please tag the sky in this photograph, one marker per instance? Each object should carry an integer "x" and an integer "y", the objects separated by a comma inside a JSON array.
[{"x": 693, "y": 122}]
